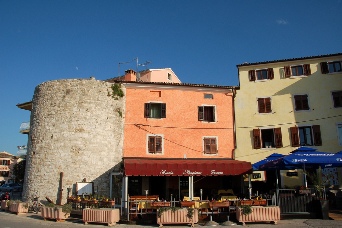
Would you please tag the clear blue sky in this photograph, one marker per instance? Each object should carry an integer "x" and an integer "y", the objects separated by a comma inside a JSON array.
[{"x": 202, "y": 41}]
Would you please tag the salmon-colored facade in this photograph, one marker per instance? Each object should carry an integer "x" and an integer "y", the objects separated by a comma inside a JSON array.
[{"x": 181, "y": 131}]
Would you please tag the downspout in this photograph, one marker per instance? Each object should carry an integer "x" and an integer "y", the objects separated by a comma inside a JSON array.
[{"x": 234, "y": 122}]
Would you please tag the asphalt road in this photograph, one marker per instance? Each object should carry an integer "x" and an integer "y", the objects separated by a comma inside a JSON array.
[{"x": 9, "y": 220}]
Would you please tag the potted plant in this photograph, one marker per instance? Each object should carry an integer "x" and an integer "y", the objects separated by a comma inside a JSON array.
[
  {"x": 56, "y": 212},
  {"x": 17, "y": 206}
]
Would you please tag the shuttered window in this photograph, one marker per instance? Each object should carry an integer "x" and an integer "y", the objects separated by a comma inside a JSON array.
[
  {"x": 337, "y": 99},
  {"x": 206, "y": 113},
  {"x": 155, "y": 110},
  {"x": 331, "y": 67},
  {"x": 278, "y": 138},
  {"x": 298, "y": 70},
  {"x": 155, "y": 144},
  {"x": 256, "y": 139},
  {"x": 294, "y": 136},
  {"x": 306, "y": 136},
  {"x": 262, "y": 74},
  {"x": 301, "y": 102},
  {"x": 210, "y": 145},
  {"x": 264, "y": 105},
  {"x": 267, "y": 138},
  {"x": 316, "y": 129}
]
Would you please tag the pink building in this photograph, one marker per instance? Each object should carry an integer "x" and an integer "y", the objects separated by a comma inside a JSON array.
[{"x": 179, "y": 138}]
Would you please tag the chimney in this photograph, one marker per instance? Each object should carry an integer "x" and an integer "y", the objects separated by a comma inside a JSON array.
[{"x": 130, "y": 75}]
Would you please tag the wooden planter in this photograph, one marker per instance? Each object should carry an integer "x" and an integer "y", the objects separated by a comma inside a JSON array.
[
  {"x": 187, "y": 203},
  {"x": 4, "y": 206},
  {"x": 102, "y": 215},
  {"x": 259, "y": 214},
  {"x": 54, "y": 213},
  {"x": 18, "y": 208},
  {"x": 177, "y": 217}
]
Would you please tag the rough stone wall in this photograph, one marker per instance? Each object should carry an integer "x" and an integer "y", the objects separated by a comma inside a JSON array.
[{"x": 77, "y": 129}]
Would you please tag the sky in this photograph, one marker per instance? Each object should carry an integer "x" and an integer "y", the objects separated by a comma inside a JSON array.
[{"x": 202, "y": 41}]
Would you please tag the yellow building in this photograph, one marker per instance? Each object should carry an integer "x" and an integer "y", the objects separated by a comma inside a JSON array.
[{"x": 288, "y": 103}]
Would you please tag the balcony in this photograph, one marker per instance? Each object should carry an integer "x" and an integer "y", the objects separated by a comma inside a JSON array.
[
  {"x": 25, "y": 128},
  {"x": 22, "y": 150}
]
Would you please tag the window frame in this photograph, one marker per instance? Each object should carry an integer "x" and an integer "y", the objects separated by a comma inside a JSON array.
[
  {"x": 264, "y": 105},
  {"x": 315, "y": 133},
  {"x": 215, "y": 150},
  {"x": 147, "y": 110},
  {"x": 148, "y": 144},
  {"x": 301, "y": 102},
  {"x": 253, "y": 74},
  {"x": 288, "y": 70},
  {"x": 277, "y": 140},
  {"x": 339, "y": 136},
  {"x": 202, "y": 116},
  {"x": 337, "y": 96},
  {"x": 325, "y": 69}
]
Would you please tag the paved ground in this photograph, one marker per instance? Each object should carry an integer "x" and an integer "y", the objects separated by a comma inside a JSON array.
[{"x": 9, "y": 220}]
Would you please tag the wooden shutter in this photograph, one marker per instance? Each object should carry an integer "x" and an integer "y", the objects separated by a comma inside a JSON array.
[
  {"x": 305, "y": 102},
  {"x": 324, "y": 67},
  {"x": 256, "y": 138},
  {"x": 159, "y": 146},
  {"x": 287, "y": 71},
  {"x": 147, "y": 110},
  {"x": 200, "y": 113},
  {"x": 317, "y": 135},
  {"x": 261, "y": 105},
  {"x": 301, "y": 102},
  {"x": 151, "y": 144},
  {"x": 270, "y": 73},
  {"x": 213, "y": 146},
  {"x": 268, "y": 108},
  {"x": 163, "y": 110},
  {"x": 278, "y": 137},
  {"x": 294, "y": 136},
  {"x": 251, "y": 74},
  {"x": 307, "y": 69}
]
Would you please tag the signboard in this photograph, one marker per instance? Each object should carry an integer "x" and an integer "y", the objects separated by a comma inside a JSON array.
[
  {"x": 292, "y": 174},
  {"x": 256, "y": 176}
]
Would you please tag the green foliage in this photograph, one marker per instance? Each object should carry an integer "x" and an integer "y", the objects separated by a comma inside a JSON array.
[
  {"x": 190, "y": 213},
  {"x": 117, "y": 91},
  {"x": 19, "y": 171},
  {"x": 246, "y": 209},
  {"x": 67, "y": 208}
]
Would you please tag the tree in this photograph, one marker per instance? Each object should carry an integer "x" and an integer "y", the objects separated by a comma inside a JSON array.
[{"x": 19, "y": 171}]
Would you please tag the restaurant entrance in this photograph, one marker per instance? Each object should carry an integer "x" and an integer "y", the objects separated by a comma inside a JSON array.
[{"x": 158, "y": 187}]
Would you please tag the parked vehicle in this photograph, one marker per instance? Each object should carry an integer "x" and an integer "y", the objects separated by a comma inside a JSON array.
[
  {"x": 12, "y": 187},
  {"x": 5, "y": 196}
]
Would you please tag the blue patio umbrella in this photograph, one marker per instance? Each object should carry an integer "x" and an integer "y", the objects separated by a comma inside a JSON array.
[{"x": 269, "y": 158}]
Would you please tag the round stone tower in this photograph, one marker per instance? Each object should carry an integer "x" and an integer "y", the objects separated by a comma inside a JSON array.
[{"x": 76, "y": 134}]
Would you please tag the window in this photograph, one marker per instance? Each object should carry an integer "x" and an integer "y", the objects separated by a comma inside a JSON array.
[
  {"x": 262, "y": 74},
  {"x": 4, "y": 173},
  {"x": 208, "y": 96},
  {"x": 169, "y": 76},
  {"x": 306, "y": 136},
  {"x": 267, "y": 138},
  {"x": 331, "y": 67},
  {"x": 264, "y": 105},
  {"x": 339, "y": 132},
  {"x": 155, "y": 144},
  {"x": 298, "y": 70},
  {"x": 337, "y": 98},
  {"x": 4, "y": 162},
  {"x": 206, "y": 113},
  {"x": 210, "y": 145},
  {"x": 301, "y": 102},
  {"x": 155, "y": 110}
]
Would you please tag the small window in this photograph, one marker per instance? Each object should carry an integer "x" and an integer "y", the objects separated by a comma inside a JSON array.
[
  {"x": 301, "y": 102},
  {"x": 267, "y": 138},
  {"x": 210, "y": 145},
  {"x": 331, "y": 67},
  {"x": 306, "y": 136},
  {"x": 262, "y": 74},
  {"x": 169, "y": 76},
  {"x": 208, "y": 96},
  {"x": 5, "y": 162},
  {"x": 264, "y": 105},
  {"x": 206, "y": 113},
  {"x": 155, "y": 110},
  {"x": 337, "y": 99},
  {"x": 298, "y": 70},
  {"x": 155, "y": 144}
]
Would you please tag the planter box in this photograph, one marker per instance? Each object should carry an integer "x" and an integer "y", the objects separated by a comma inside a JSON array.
[
  {"x": 160, "y": 204},
  {"x": 4, "y": 206},
  {"x": 177, "y": 217},
  {"x": 103, "y": 215},
  {"x": 18, "y": 208},
  {"x": 54, "y": 214},
  {"x": 259, "y": 214},
  {"x": 187, "y": 203}
]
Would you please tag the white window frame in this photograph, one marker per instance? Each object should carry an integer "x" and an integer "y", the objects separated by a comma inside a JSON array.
[
  {"x": 217, "y": 145},
  {"x": 261, "y": 80},
  {"x": 147, "y": 137},
  {"x": 335, "y": 72},
  {"x": 215, "y": 111}
]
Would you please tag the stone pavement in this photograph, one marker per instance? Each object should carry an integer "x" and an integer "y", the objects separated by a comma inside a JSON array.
[{"x": 9, "y": 220}]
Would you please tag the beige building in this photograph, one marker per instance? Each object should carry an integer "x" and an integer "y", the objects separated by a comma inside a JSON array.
[
  {"x": 288, "y": 103},
  {"x": 7, "y": 162}
]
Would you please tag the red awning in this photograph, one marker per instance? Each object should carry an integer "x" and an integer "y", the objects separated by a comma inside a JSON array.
[{"x": 185, "y": 167}]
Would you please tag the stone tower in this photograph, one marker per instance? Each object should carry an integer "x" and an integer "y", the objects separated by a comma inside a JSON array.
[{"x": 76, "y": 134}]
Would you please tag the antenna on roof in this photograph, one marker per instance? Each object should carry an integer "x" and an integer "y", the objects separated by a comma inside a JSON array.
[{"x": 140, "y": 64}]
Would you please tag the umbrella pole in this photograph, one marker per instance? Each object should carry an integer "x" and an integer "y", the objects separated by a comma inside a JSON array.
[
  {"x": 277, "y": 187},
  {"x": 305, "y": 180}
]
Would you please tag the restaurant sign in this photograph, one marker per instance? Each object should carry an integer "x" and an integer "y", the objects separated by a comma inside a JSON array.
[{"x": 189, "y": 172}]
